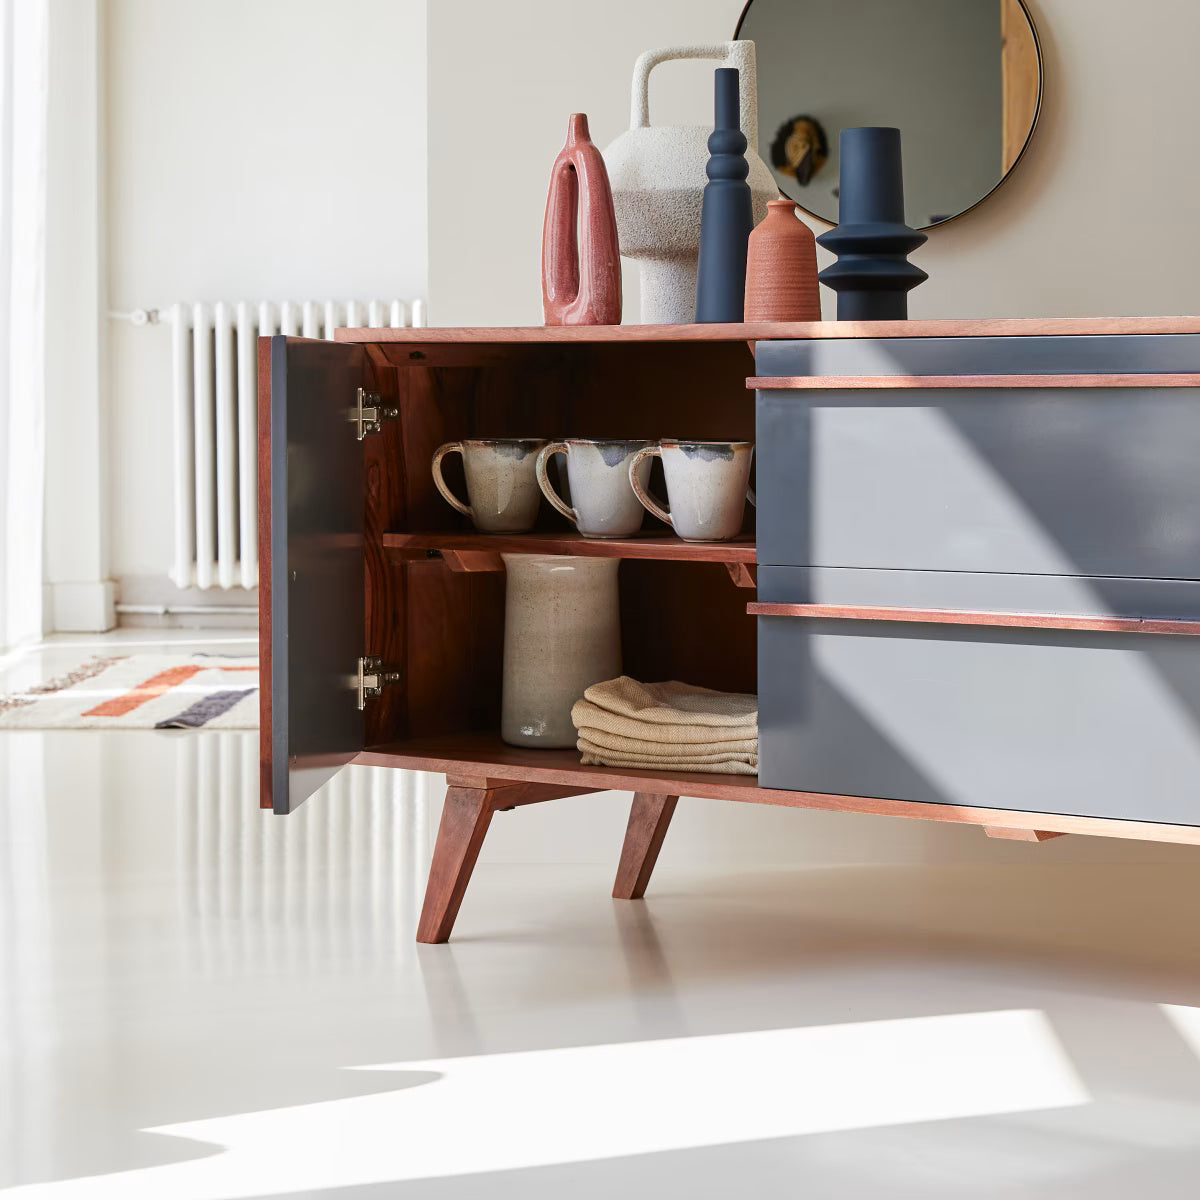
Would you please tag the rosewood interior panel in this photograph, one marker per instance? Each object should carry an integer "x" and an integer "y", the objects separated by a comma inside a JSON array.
[
  {"x": 679, "y": 620},
  {"x": 686, "y": 621},
  {"x": 553, "y": 391},
  {"x": 385, "y": 506},
  {"x": 454, "y": 641},
  {"x": 435, "y": 602}
]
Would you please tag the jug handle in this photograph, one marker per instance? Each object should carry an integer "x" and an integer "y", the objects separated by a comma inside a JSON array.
[{"x": 738, "y": 54}]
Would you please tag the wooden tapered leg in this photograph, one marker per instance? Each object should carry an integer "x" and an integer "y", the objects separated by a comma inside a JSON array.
[
  {"x": 648, "y": 820},
  {"x": 466, "y": 816}
]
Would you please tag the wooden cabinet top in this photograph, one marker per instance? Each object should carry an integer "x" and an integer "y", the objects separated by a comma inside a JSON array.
[{"x": 767, "y": 331}]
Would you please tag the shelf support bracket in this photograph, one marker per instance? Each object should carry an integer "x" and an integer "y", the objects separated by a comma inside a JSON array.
[
  {"x": 1020, "y": 835},
  {"x": 744, "y": 575},
  {"x": 471, "y": 561}
]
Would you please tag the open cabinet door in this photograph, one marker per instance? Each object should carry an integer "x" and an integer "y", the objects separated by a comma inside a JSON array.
[{"x": 311, "y": 611}]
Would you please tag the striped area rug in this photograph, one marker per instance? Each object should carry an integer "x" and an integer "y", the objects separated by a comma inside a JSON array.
[{"x": 141, "y": 691}]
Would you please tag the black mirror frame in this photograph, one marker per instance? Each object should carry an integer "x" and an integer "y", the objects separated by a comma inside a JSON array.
[{"x": 1037, "y": 112}]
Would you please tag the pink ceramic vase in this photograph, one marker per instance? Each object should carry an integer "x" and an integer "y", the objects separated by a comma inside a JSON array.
[
  {"x": 781, "y": 268},
  {"x": 581, "y": 285}
]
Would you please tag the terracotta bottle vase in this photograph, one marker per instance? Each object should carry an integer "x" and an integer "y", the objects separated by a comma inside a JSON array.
[
  {"x": 781, "y": 268},
  {"x": 581, "y": 285}
]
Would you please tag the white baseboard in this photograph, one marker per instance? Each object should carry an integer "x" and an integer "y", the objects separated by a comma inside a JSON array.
[
  {"x": 185, "y": 608},
  {"x": 81, "y": 607}
]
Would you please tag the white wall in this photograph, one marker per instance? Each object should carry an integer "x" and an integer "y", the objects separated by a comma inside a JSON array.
[
  {"x": 503, "y": 78},
  {"x": 1098, "y": 220},
  {"x": 265, "y": 150},
  {"x": 79, "y": 591}
]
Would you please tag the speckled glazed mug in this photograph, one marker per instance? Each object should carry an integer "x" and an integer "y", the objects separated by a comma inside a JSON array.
[
  {"x": 707, "y": 487},
  {"x": 501, "y": 482},
  {"x": 598, "y": 475}
]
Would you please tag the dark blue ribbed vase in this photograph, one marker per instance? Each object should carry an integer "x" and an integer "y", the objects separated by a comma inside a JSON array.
[
  {"x": 727, "y": 214},
  {"x": 872, "y": 276}
]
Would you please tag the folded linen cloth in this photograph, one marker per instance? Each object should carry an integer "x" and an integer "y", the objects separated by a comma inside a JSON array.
[
  {"x": 692, "y": 757},
  {"x": 649, "y": 746},
  {"x": 668, "y": 726},
  {"x": 606, "y": 758},
  {"x": 666, "y": 712}
]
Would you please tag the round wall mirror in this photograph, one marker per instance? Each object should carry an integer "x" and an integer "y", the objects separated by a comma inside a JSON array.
[{"x": 960, "y": 79}]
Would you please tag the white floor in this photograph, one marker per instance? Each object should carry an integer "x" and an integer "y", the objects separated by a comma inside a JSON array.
[{"x": 198, "y": 1000}]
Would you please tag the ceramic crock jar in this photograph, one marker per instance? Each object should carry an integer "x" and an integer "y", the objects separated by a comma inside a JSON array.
[{"x": 561, "y": 634}]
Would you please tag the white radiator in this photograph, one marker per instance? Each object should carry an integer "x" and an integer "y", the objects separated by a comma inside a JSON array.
[{"x": 214, "y": 355}]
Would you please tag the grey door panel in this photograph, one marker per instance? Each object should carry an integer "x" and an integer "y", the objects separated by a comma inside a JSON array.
[{"x": 315, "y": 565}]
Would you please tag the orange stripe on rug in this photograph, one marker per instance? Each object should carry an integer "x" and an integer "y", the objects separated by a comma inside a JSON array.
[{"x": 156, "y": 685}]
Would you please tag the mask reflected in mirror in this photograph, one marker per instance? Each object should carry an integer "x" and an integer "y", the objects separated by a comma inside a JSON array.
[{"x": 961, "y": 80}]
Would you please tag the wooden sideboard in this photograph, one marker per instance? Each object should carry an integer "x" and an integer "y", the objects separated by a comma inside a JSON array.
[{"x": 1061, "y": 534}]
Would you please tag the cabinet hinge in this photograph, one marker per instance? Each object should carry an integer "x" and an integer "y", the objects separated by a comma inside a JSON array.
[
  {"x": 368, "y": 414},
  {"x": 373, "y": 677}
]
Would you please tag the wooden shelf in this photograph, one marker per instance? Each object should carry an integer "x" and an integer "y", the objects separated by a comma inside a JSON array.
[
  {"x": 483, "y": 760},
  {"x": 486, "y": 756},
  {"x": 651, "y": 546}
]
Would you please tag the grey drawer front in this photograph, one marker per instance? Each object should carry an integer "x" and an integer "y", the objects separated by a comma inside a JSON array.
[
  {"x": 1102, "y": 725},
  {"x": 1159, "y": 353},
  {"x": 1072, "y": 481}
]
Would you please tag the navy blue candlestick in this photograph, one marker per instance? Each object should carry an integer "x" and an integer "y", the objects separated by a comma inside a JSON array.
[
  {"x": 872, "y": 276},
  {"x": 727, "y": 215}
]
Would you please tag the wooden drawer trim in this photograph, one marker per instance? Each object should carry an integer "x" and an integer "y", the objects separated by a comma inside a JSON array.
[
  {"x": 935, "y": 616},
  {"x": 908, "y": 382}
]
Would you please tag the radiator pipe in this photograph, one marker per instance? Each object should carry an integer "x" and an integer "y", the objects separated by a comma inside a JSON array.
[
  {"x": 189, "y": 610},
  {"x": 415, "y": 318}
]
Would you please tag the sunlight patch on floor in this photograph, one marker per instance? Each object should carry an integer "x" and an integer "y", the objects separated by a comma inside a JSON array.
[{"x": 460, "y": 1116}]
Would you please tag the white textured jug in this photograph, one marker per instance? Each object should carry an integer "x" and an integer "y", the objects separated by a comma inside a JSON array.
[
  {"x": 562, "y": 633},
  {"x": 657, "y": 176}
]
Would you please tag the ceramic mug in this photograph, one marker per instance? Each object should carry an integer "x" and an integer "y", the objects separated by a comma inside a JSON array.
[
  {"x": 501, "y": 482},
  {"x": 599, "y": 474},
  {"x": 707, "y": 487}
]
